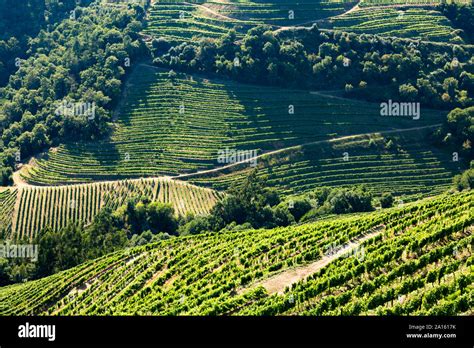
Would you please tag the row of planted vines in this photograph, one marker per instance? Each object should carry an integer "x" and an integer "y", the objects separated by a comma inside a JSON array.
[
  {"x": 179, "y": 125},
  {"x": 55, "y": 207},
  {"x": 419, "y": 262}
]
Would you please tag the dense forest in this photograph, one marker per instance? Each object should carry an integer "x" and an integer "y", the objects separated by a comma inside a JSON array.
[{"x": 23, "y": 21}]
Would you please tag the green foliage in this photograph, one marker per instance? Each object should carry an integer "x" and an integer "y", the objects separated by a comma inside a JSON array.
[
  {"x": 462, "y": 16},
  {"x": 350, "y": 201},
  {"x": 80, "y": 60},
  {"x": 386, "y": 201},
  {"x": 20, "y": 21},
  {"x": 250, "y": 202},
  {"x": 199, "y": 224},
  {"x": 314, "y": 59},
  {"x": 457, "y": 133},
  {"x": 464, "y": 181},
  {"x": 136, "y": 217},
  {"x": 424, "y": 270}
]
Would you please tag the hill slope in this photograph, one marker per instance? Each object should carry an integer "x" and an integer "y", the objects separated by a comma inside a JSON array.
[
  {"x": 411, "y": 23},
  {"x": 400, "y": 163},
  {"x": 179, "y": 125},
  {"x": 28, "y": 210},
  {"x": 417, "y": 261}
]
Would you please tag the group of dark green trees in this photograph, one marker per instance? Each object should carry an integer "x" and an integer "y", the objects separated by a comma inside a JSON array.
[
  {"x": 365, "y": 66},
  {"x": 82, "y": 60},
  {"x": 22, "y": 20}
]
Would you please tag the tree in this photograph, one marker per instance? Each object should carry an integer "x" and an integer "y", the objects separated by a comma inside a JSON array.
[
  {"x": 161, "y": 218},
  {"x": 386, "y": 201}
]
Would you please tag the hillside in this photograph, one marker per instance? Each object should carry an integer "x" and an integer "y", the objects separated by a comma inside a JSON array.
[
  {"x": 179, "y": 125},
  {"x": 220, "y": 158},
  {"x": 408, "y": 167},
  {"x": 180, "y": 21},
  {"x": 366, "y": 3},
  {"x": 27, "y": 210},
  {"x": 415, "y": 23},
  {"x": 416, "y": 260}
]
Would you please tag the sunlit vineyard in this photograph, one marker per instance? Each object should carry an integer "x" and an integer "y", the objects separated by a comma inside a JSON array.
[
  {"x": 182, "y": 21},
  {"x": 280, "y": 12},
  {"x": 407, "y": 168},
  {"x": 417, "y": 260},
  {"x": 174, "y": 126},
  {"x": 55, "y": 207},
  {"x": 178, "y": 21},
  {"x": 407, "y": 23}
]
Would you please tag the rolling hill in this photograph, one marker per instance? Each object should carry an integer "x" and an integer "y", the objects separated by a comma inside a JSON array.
[
  {"x": 179, "y": 125},
  {"x": 25, "y": 211},
  {"x": 408, "y": 167},
  {"x": 415, "y": 259},
  {"x": 169, "y": 128}
]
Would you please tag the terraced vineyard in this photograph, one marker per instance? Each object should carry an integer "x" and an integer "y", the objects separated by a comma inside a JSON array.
[
  {"x": 280, "y": 12},
  {"x": 418, "y": 260},
  {"x": 407, "y": 23},
  {"x": 38, "y": 207},
  {"x": 409, "y": 168},
  {"x": 182, "y": 21},
  {"x": 170, "y": 127},
  {"x": 179, "y": 21}
]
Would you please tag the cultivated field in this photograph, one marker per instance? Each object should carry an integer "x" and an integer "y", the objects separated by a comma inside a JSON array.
[
  {"x": 415, "y": 23},
  {"x": 7, "y": 204},
  {"x": 418, "y": 261},
  {"x": 55, "y": 207},
  {"x": 280, "y": 12},
  {"x": 174, "y": 126},
  {"x": 178, "y": 21},
  {"x": 410, "y": 2},
  {"x": 408, "y": 168}
]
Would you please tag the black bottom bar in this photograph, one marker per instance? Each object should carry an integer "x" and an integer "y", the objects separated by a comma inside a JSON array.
[{"x": 239, "y": 331}]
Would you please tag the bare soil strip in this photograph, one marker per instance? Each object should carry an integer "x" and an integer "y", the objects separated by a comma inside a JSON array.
[{"x": 280, "y": 281}]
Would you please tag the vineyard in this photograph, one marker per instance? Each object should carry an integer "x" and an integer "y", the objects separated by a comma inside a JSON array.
[
  {"x": 408, "y": 168},
  {"x": 370, "y": 188},
  {"x": 280, "y": 12},
  {"x": 7, "y": 204},
  {"x": 55, "y": 207},
  {"x": 178, "y": 21},
  {"x": 174, "y": 126},
  {"x": 181, "y": 21},
  {"x": 410, "y": 23},
  {"x": 417, "y": 260}
]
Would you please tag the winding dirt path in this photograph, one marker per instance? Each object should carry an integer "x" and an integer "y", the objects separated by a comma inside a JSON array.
[
  {"x": 214, "y": 13},
  {"x": 19, "y": 182},
  {"x": 295, "y": 147}
]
